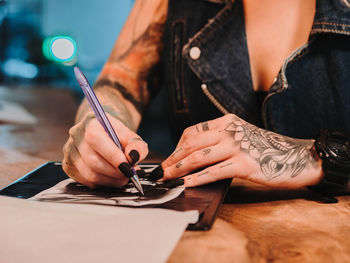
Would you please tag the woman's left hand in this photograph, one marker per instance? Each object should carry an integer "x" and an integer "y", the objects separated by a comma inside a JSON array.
[{"x": 230, "y": 147}]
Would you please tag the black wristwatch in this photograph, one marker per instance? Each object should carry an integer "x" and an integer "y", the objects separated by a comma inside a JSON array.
[{"x": 334, "y": 150}]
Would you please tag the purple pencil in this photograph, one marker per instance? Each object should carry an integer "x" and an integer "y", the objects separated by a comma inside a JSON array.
[{"x": 102, "y": 118}]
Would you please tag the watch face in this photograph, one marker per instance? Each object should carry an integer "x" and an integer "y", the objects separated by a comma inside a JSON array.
[{"x": 339, "y": 148}]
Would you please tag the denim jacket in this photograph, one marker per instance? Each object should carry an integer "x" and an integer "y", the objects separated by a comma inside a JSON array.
[{"x": 207, "y": 70}]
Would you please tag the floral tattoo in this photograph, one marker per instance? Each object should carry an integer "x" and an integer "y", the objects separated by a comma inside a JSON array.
[{"x": 276, "y": 154}]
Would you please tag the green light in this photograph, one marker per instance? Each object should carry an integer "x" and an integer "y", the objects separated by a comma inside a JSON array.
[{"x": 60, "y": 49}]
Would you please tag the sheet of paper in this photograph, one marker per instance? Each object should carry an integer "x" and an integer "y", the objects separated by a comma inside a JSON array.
[
  {"x": 38, "y": 232},
  {"x": 11, "y": 112}
]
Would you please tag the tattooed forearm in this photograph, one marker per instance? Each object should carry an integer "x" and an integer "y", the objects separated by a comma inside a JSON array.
[
  {"x": 112, "y": 102},
  {"x": 125, "y": 93},
  {"x": 138, "y": 50},
  {"x": 276, "y": 154},
  {"x": 134, "y": 57},
  {"x": 150, "y": 42},
  {"x": 143, "y": 29}
]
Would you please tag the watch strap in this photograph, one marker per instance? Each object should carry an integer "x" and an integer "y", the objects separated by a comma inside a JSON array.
[{"x": 336, "y": 174}]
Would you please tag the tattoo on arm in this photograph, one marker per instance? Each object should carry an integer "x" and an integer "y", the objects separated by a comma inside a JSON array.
[
  {"x": 125, "y": 93},
  {"x": 276, "y": 154},
  {"x": 150, "y": 40},
  {"x": 113, "y": 105},
  {"x": 135, "y": 56},
  {"x": 139, "y": 48}
]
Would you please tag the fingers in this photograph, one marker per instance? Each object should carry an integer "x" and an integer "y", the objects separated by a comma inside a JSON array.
[
  {"x": 92, "y": 158},
  {"x": 200, "y": 128},
  {"x": 220, "y": 171},
  {"x": 198, "y": 137},
  {"x": 136, "y": 150},
  {"x": 195, "y": 138},
  {"x": 76, "y": 168},
  {"x": 97, "y": 139},
  {"x": 93, "y": 179},
  {"x": 191, "y": 144},
  {"x": 96, "y": 162},
  {"x": 198, "y": 159},
  {"x": 71, "y": 154}
]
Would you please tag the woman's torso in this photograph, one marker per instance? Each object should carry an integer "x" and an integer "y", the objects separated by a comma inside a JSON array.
[{"x": 208, "y": 69}]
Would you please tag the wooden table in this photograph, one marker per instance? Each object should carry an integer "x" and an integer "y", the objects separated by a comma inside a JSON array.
[{"x": 255, "y": 224}]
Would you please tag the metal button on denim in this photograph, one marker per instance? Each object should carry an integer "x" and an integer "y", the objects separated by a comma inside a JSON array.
[{"x": 195, "y": 53}]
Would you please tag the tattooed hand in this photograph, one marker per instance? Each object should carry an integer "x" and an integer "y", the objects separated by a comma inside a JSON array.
[
  {"x": 92, "y": 158},
  {"x": 230, "y": 147}
]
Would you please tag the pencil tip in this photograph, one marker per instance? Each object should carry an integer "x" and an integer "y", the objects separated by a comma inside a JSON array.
[{"x": 137, "y": 184}]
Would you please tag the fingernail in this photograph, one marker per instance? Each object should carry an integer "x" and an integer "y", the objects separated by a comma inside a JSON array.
[
  {"x": 174, "y": 183},
  {"x": 141, "y": 173},
  {"x": 135, "y": 156},
  {"x": 126, "y": 170},
  {"x": 156, "y": 174}
]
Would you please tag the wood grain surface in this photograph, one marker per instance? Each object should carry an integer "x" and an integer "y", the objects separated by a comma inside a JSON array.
[
  {"x": 24, "y": 147},
  {"x": 255, "y": 223}
]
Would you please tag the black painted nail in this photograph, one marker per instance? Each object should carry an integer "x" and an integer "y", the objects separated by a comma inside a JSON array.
[
  {"x": 174, "y": 183},
  {"x": 126, "y": 170},
  {"x": 135, "y": 156},
  {"x": 141, "y": 173},
  {"x": 156, "y": 174}
]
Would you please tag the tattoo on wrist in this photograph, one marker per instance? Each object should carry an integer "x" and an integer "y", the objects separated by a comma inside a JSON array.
[
  {"x": 276, "y": 154},
  {"x": 125, "y": 93},
  {"x": 115, "y": 107}
]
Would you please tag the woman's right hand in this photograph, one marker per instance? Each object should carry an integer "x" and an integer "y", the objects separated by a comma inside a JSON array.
[{"x": 91, "y": 157}]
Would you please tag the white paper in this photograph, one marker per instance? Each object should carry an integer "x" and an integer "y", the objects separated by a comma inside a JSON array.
[
  {"x": 38, "y": 232},
  {"x": 14, "y": 113}
]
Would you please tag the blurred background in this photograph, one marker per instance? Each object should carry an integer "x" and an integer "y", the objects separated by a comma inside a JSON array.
[{"x": 41, "y": 41}]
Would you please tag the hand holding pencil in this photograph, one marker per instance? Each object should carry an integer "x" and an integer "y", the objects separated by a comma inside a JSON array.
[{"x": 94, "y": 156}]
